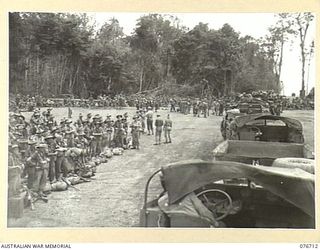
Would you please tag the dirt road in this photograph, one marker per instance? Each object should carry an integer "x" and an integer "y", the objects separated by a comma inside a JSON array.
[{"x": 115, "y": 197}]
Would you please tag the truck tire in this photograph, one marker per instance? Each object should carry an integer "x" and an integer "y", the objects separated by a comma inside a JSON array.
[{"x": 302, "y": 163}]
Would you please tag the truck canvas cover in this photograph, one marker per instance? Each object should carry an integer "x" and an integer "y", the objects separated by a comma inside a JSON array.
[
  {"x": 293, "y": 185},
  {"x": 291, "y": 123}
]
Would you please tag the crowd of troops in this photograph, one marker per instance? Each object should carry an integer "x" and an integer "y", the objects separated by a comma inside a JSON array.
[
  {"x": 185, "y": 106},
  {"x": 40, "y": 147},
  {"x": 174, "y": 103}
]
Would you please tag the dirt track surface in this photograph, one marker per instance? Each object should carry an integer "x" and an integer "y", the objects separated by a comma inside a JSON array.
[{"x": 115, "y": 196}]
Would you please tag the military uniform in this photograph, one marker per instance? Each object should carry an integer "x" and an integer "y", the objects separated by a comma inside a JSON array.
[
  {"x": 109, "y": 130},
  {"x": 41, "y": 162},
  {"x": 149, "y": 116},
  {"x": 97, "y": 139},
  {"x": 118, "y": 132},
  {"x": 158, "y": 124},
  {"x": 167, "y": 129},
  {"x": 30, "y": 168},
  {"x": 195, "y": 109},
  {"x": 52, "y": 155},
  {"x": 80, "y": 141},
  {"x": 69, "y": 134},
  {"x": 135, "y": 126},
  {"x": 142, "y": 119},
  {"x": 125, "y": 135},
  {"x": 205, "y": 109},
  {"x": 69, "y": 112},
  {"x": 15, "y": 167}
]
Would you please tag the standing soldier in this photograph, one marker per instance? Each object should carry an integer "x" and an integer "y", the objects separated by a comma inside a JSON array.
[
  {"x": 215, "y": 107},
  {"x": 200, "y": 108},
  {"x": 69, "y": 134},
  {"x": 116, "y": 134},
  {"x": 221, "y": 108},
  {"x": 135, "y": 133},
  {"x": 277, "y": 109},
  {"x": 59, "y": 138},
  {"x": 78, "y": 127},
  {"x": 205, "y": 108},
  {"x": 156, "y": 105},
  {"x": 23, "y": 126},
  {"x": 167, "y": 129},
  {"x": 104, "y": 135},
  {"x": 172, "y": 105},
  {"x": 96, "y": 142},
  {"x": 39, "y": 135},
  {"x": 69, "y": 112},
  {"x": 52, "y": 155},
  {"x": 62, "y": 126},
  {"x": 14, "y": 171},
  {"x": 80, "y": 141},
  {"x": 271, "y": 108},
  {"x": 233, "y": 130},
  {"x": 189, "y": 104},
  {"x": 16, "y": 157},
  {"x": 195, "y": 108},
  {"x": 158, "y": 124},
  {"x": 86, "y": 129},
  {"x": 41, "y": 162},
  {"x": 142, "y": 119},
  {"x": 35, "y": 118},
  {"x": 125, "y": 127},
  {"x": 80, "y": 119},
  {"x": 29, "y": 166},
  {"x": 149, "y": 116},
  {"x": 120, "y": 136},
  {"x": 109, "y": 130},
  {"x": 59, "y": 163}
]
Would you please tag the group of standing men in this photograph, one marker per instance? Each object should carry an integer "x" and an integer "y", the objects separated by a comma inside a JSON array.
[
  {"x": 160, "y": 125},
  {"x": 40, "y": 146},
  {"x": 184, "y": 106}
]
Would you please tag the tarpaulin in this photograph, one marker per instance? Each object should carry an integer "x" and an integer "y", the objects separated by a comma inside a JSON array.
[
  {"x": 293, "y": 185},
  {"x": 291, "y": 123}
]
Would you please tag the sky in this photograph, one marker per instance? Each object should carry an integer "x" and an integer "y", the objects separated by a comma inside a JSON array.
[{"x": 253, "y": 24}]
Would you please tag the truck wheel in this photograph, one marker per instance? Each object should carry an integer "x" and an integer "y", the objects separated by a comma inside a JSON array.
[{"x": 302, "y": 163}]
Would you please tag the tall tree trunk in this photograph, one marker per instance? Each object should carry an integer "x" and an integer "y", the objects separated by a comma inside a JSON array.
[
  {"x": 303, "y": 92},
  {"x": 37, "y": 75},
  {"x": 280, "y": 63},
  {"x": 141, "y": 79},
  {"x": 25, "y": 82},
  {"x": 74, "y": 79},
  {"x": 302, "y": 33}
]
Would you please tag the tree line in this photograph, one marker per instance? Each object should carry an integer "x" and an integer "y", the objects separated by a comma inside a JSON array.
[{"x": 61, "y": 53}]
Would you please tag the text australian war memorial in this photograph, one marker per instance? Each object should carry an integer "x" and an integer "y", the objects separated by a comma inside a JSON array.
[{"x": 161, "y": 125}]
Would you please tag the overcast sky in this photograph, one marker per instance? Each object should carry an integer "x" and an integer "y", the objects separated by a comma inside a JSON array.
[{"x": 253, "y": 24}]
